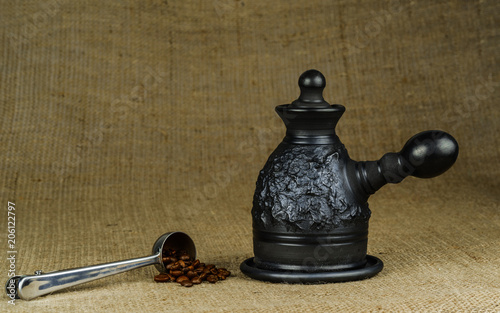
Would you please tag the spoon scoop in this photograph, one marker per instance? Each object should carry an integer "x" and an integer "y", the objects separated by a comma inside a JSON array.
[{"x": 29, "y": 287}]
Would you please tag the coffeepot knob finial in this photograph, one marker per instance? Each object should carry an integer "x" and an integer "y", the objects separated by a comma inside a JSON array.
[{"x": 311, "y": 84}]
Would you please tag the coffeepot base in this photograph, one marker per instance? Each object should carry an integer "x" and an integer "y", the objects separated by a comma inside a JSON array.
[{"x": 372, "y": 267}]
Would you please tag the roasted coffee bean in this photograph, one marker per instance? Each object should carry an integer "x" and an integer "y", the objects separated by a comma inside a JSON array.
[
  {"x": 196, "y": 280},
  {"x": 169, "y": 259},
  {"x": 225, "y": 273},
  {"x": 203, "y": 275},
  {"x": 222, "y": 276},
  {"x": 181, "y": 278},
  {"x": 176, "y": 266},
  {"x": 176, "y": 273},
  {"x": 162, "y": 277},
  {"x": 186, "y": 271}
]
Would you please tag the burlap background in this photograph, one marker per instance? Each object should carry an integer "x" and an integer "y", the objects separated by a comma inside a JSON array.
[{"x": 122, "y": 120}]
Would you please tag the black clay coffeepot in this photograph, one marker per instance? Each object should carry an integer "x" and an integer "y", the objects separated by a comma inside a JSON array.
[{"x": 310, "y": 211}]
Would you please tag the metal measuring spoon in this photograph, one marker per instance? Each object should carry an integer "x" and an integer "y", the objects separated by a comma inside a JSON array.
[{"x": 29, "y": 287}]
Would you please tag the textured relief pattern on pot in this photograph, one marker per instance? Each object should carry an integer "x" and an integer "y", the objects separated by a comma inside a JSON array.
[{"x": 302, "y": 187}]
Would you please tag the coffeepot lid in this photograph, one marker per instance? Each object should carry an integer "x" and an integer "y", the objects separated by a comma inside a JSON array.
[
  {"x": 311, "y": 84},
  {"x": 310, "y": 119}
]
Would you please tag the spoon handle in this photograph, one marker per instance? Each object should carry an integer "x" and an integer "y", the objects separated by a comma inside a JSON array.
[{"x": 29, "y": 287}]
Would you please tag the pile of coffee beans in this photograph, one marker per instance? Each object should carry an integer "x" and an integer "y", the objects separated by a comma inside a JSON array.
[{"x": 181, "y": 268}]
